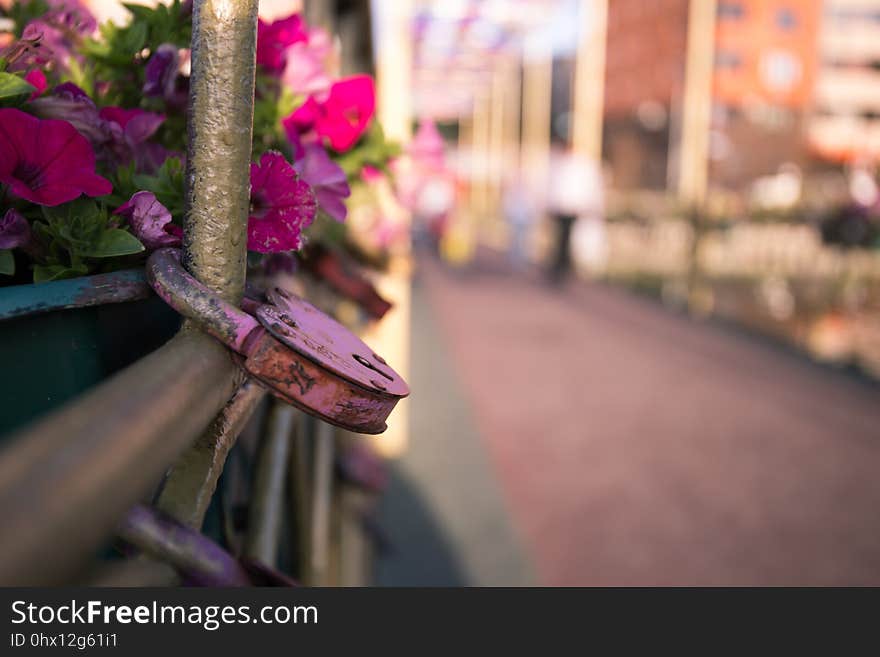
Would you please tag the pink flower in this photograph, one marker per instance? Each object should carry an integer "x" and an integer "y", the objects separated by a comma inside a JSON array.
[
  {"x": 371, "y": 174},
  {"x": 305, "y": 71},
  {"x": 427, "y": 147},
  {"x": 150, "y": 221},
  {"x": 342, "y": 118},
  {"x": 282, "y": 205},
  {"x": 37, "y": 79},
  {"x": 273, "y": 39},
  {"x": 46, "y": 161}
]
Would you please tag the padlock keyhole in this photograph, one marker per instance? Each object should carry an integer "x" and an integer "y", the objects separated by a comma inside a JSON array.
[{"x": 363, "y": 361}]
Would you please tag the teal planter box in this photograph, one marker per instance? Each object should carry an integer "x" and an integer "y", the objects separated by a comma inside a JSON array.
[{"x": 58, "y": 339}]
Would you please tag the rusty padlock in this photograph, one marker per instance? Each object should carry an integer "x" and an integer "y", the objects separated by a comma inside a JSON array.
[{"x": 301, "y": 355}]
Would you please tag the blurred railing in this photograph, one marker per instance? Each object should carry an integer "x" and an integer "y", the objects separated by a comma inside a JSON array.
[{"x": 779, "y": 278}]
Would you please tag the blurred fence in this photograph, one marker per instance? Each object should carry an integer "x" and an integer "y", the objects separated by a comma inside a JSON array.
[{"x": 778, "y": 278}]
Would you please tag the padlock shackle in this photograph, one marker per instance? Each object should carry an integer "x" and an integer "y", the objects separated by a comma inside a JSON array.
[{"x": 180, "y": 290}]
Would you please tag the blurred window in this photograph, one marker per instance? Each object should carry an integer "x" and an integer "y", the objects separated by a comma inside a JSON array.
[
  {"x": 727, "y": 59},
  {"x": 730, "y": 10},
  {"x": 786, "y": 19},
  {"x": 847, "y": 14}
]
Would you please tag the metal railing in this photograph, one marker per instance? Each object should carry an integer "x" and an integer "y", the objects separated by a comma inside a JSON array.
[{"x": 73, "y": 480}]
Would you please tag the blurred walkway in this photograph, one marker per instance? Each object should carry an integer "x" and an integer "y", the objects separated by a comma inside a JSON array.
[
  {"x": 444, "y": 513},
  {"x": 634, "y": 446}
]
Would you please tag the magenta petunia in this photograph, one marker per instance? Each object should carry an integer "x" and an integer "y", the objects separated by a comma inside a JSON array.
[
  {"x": 326, "y": 178},
  {"x": 273, "y": 40},
  {"x": 150, "y": 221},
  {"x": 282, "y": 205},
  {"x": 46, "y": 161},
  {"x": 37, "y": 79},
  {"x": 342, "y": 117}
]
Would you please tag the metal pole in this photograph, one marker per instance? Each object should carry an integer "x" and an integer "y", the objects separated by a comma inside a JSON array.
[
  {"x": 221, "y": 117},
  {"x": 589, "y": 84},
  {"x": 537, "y": 88},
  {"x": 697, "y": 107},
  {"x": 300, "y": 495},
  {"x": 267, "y": 501},
  {"x": 220, "y": 121},
  {"x": 322, "y": 499},
  {"x": 198, "y": 558},
  {"x": 191, "y": 483}
]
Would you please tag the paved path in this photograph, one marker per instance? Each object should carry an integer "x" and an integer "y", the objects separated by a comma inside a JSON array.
[
  {"x": 635, "y": 446},
  {"x": 444, "y": 512}
]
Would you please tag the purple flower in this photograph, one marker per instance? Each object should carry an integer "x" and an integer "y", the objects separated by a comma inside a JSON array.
[
  {"x": 150, "y": 221},
  {"x": 71, "y": 15},
  {"x": 131, "y": 130},
  {"x": 149, "y": 157},
  {"x": 54, "y": 46},
  {"x": 22, "y": 54},
  {"x": 68, "y": 102},
  {"x": 327, "y": 179},
  {"x": 161, "y": 71},
  {"x": 60, "y": 30},
  {"x": 15, "y": 231},
  {"x": 282, "y": 205}
]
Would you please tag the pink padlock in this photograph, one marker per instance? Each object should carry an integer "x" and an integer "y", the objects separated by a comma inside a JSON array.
[{"x": 300, "y": 354}]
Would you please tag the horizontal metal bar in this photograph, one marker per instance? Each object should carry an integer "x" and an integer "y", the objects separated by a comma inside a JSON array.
[
  {"x": 135, "y": 572},
  {"x": 66, "y": 481},
  {"x": 196, "y": 557},
  {"x": 115, "y": 287}
]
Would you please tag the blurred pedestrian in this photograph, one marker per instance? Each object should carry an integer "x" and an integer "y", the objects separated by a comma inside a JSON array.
[
  {"x": 575, "y": 190},
  {"x": 519, "y": 211}
]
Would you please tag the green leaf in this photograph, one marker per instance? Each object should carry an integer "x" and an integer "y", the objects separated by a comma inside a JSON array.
[
  {"x": 113, "y": 242},
  {"x": 14, "y": 90},
  {"x": 81, "y": 77},
  {"x": 135, "y": 37},
  {"x": 46, "y": 273},
  {"x": 81, "y": 207},
  {"x": 139, "y": 12},
  {"x": 7, "y": 262}
]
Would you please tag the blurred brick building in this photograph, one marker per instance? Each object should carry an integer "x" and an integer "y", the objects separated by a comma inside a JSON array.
[
  {"x": 765, "y": 71},
  {"x": 846, "y": 121},
  {"x": 644, "y": 76}
]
